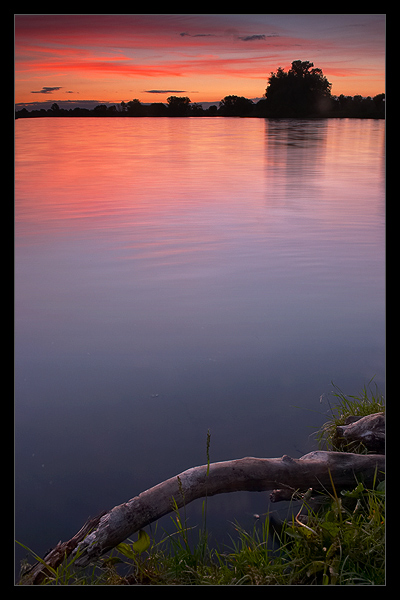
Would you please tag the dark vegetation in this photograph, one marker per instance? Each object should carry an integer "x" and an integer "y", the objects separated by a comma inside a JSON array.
[{"x": 301, "y": 92}]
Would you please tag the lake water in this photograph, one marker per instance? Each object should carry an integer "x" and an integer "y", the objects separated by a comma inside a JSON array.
[{"x": 174, "y": 276}]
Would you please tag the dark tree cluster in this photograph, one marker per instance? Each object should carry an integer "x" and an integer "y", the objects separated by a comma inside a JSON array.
[
  {"x": 301, "y": 92},
  {"x": 357, "y": 106},
  {"x": 304, "y": 91}
]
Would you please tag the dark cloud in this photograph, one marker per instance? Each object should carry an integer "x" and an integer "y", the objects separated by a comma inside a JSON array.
[
  {"x": 46, "y": 90},
  {"x": 164, "y": 91},
  {"x": 184, "y": 33},
  {"x": 260, "y": 36},
  {"x": 234, "y": 32},
  {"x": 250, "y": 38}
]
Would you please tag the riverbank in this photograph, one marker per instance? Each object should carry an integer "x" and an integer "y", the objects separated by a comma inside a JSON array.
[
  {"x": 342, "y": 107},
  {"x": 340, "y": 542}
]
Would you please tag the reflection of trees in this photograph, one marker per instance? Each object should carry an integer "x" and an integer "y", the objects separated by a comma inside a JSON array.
[
  {"x": 294, "y": 151},
  {"x": 310, "y": 165}
]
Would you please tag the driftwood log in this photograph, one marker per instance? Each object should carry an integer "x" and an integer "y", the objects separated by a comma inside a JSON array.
[
  {"x": 368, "y": 431},
  {"x": 54, "y": 557},
  {"x": 316, "y": 470},
  {"x": 283, "y": 475}
]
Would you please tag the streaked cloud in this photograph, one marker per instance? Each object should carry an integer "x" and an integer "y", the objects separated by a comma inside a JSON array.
[
  {"x": 164, "y": 91},
  {"x": 46, "y": 90},
  {"x": 197, "y": 34},
  {"x": 251, "y": 38},
  {"x": 257, "y": 36}
]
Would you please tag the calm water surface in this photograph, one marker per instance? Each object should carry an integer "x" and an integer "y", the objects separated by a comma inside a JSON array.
[{"x": 175, "y": 276}]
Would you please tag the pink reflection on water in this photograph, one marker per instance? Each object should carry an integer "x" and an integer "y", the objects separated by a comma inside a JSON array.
[{"x": 98, "y": 174}]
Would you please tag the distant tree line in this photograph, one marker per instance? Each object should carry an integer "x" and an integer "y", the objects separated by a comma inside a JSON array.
[{"x": 301, "y": 92}]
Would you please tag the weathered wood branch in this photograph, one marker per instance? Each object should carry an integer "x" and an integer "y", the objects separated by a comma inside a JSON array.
[
  {"x": 284, "y": 475},
  {"x": 368, "y": 430},
  {"x": 313, "y": 470}
]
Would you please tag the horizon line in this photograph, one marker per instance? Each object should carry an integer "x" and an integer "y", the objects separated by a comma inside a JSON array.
[{"x": 116, "y": 102}]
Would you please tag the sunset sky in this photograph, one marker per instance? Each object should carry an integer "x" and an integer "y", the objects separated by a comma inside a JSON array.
[{"x": 110, "y": 58}]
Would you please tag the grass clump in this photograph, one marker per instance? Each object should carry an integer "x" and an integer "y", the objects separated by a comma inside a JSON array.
[
  {"x": 368, "y": 402},
  {"x": 345, "y": 545}
]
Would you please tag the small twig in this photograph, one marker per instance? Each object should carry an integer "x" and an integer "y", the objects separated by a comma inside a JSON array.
[{"x": 306, "y": 497}]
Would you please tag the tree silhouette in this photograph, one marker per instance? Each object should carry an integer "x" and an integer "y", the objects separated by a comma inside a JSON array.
[
  {"x": 134, "y": 108},
  {"x": 178, "y": 106},
  {"x": 302, "y": 91},
  {"x": 100, "y": 110},
  {"x": 157, "y": 109},
  {"x": 235, "y": 106}
]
